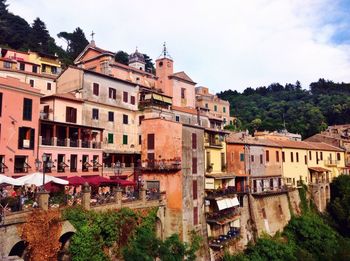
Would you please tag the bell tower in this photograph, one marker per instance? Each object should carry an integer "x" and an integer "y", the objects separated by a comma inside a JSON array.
[
  {"x": 137, "y": 60},
  {"x": 165, "y": 68}
]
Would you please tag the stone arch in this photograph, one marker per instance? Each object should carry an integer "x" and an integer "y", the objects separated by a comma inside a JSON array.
[
  {"x": 19, "y": 249},
  {"x": 159, "y": 229},
  {"x": 63, "y": 254}
]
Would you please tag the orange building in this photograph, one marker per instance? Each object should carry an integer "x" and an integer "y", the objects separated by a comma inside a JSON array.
[{"x": 19, "y": 117}]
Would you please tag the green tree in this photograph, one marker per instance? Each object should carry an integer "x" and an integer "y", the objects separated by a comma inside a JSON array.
[
  {"x": 39, "y": 37},
  {"x": 122, "y": 57}
]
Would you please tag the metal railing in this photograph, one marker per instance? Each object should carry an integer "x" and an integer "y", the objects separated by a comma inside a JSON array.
[{"x": 161, "y": 165}]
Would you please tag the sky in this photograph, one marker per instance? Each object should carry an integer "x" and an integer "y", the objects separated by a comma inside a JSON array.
[{"x": 222, "y": 44}]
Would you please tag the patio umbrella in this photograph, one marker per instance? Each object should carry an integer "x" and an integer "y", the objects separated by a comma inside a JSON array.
[
  {"x": 98, "y": 180},
  {"x": 36, "y": 178},
  {"x": 125, "y": 183},
  {"x": 8, "y": 180},
  {"x": 76, "y": 181}
]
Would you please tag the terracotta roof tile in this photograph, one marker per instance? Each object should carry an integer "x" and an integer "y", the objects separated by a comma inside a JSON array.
[
  {"x": 66, "y": 96},
  {"x": 16, "y": 83},
  {"x": 182, "y": 75}
]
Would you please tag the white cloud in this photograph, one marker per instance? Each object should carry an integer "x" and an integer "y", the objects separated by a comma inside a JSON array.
[{"x": 227, "y": 44}]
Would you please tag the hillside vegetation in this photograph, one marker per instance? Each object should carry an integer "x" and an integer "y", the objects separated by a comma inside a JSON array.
[{"x": 303, "y": 111}]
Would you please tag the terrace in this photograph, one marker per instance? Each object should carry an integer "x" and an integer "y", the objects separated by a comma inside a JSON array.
[{"x": 171, "y": 165}]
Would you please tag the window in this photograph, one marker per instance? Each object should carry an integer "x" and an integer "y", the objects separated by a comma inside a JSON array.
[
  {"x": 194, "y": 165},
  {"x": 111, "y": 116},
  {"x": 71, "y": 114},
  {"x": 194, "y": 141},
  {"x": 31, "y": 82},
  {"x": 26, "y": 138},
  {"x": 223, "y": 109},
  {"x": 267, "y": 156},
  {"x": 21, "y": 165},
  {"x": 321, "y": 155},
  {"x": 252, "y": 158},
  {"x": 183, "y": 93},
  {"x": 141, "y": 118},
  {"x": 241, "y": 157},
  {"x": 35, "y": 69},
  {"x": 206, "y": 105},
  {"x": 0, "y": 103},
  {"x": 125, "y": 96},
  {"x": 338, "y": 156},
  {"x": 112, "y": 93},
  {"x": 7, "y": 65},
  {"x": 215, "y": 108},
  {"x": 316, "y": 157},
  {"x": 277, "y": 156},
  {"x": 125, "y": 139},
  {"x": 73, "y": 162},
  {"x": 43, "y": 68},
  {"x": 194, "y": 189},
  {"x": 297, "y": 156},
  {"x": 195, "y": 216},
  {"x": 22, "y": 66},
  {"x": 48, "y": 86},
  {"x": 291, "y": 157},
  {"x": 95, "y": 114},
  {"x": 125, "y": 119},
  {"x": 27, "y": 109},
  {"x": 310, "y": 155},
  {"x": 261, "y": 159},
  {"x": 150, "y": 141},
  {"x": 85, "y": 163},
  {"x": 96, "y": 89},
  {"x": 305, "y": 159},
  {"x": 140, "y": 139},
  {"x": 223, "y": 162},
  {"x": 54, "y": 70},
  {"x": 132, "y": 100},
  {"x": 177, "y": 118},
  {"x": 110, "y": 138},
  {"x": 271, "y": 184},
  {"x": 283, "y": 156}
]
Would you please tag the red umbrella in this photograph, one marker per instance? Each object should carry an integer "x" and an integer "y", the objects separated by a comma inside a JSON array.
[
  {"x": 125, "y": 183},
  {"x": 98, "y": 180},
  {"x": 76, "y": 181}
]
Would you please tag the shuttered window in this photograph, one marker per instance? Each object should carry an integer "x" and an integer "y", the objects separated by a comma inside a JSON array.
[
  {"x": 291, "y": 157},
  {"x": 27, "y": 109},
  {"x": 110, "y": 116},
  {"x": 26, "y": 138},
  {"x": 194, "y": 189},
  {"x": 125, "y": 119},
  {"x": 110, "y": 137},
  {"x": 283, "y": 156},
  {"x": 297, "y": 156},
  {"x": 194, "y": 165},
  {"x": 195, "y": 216},
  {"x": 150, "y": 141},
  {"x": 95, "y": 114},
  {"x": 277, "y": 156},
  {"x": 71, "y": 114},
  {"x": 267, "y": 156},
  {"x": 112, "y": 93},
  {"x": 194, "y": 141},
  {"x": 125, "y": 139},
  {"x": 96, "y": 89},
  {"x": 125, "y": 96},
  {"x": 132, "y": 100}
]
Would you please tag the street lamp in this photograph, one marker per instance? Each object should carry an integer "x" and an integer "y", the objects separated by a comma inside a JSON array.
[
  {"x": 117, "y": 171},
  {"x": 46, "y": 163}
]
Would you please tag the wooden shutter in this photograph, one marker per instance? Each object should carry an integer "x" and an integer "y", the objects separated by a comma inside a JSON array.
[
  {"x": 125, "y": 96},
  {"x": 67, "y": 114},
  {"x": 194, "y": 141},
  {"x": 132, "y": 100},
  {"x": 194, "y": 189},
  {"x": 21, "y": 136},
  {"x": 195, "y": 216},
  {"x": 27, "y": 109},
  {"x": 277, "y": 156},
  {"x": 194, "y": 165},
  {"x": 267, "y": 156},
  {"x": 150, "y": 141},
  {"x": 32, "y": 138},
  {"x": 96, "y": 89},
  {"x": 74, "y": 112}
]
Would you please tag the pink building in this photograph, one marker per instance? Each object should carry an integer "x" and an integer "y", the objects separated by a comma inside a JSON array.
[
  {"x": 19, "y": 117},
  {"x": 74, "y": 149}
]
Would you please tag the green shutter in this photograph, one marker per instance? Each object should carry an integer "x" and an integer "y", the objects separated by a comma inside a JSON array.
[
  {"x": 125, "y": 139},
  {"x": 241, "y": 157},
  {"x": 110, "y": 137}
]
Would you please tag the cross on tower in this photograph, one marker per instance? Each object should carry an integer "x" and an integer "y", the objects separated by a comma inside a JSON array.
[{"x": 92, "y": 35}]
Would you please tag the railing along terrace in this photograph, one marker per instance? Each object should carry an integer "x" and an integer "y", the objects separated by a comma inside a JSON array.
[
  {"x": 221, "y": 192},
  {"x": 85, "y": 144},
  {"x": 220, "y": 241},
  {"x": 222, "y": 215},
  {"x": 61, "y": 142},
  {"x": 46, "y": 141},
  {"x": 73, "y": 143},
  {"x": 160, "y": 165}
]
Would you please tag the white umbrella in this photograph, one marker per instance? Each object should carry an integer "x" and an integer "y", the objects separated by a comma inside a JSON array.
[
  {"x": 36, "y": 179},
  {"x": 8, "y": 180}
]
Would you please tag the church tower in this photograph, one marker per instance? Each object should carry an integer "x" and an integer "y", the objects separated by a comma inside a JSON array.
[
  {"x": 164, "y": 69},
  {"x": 137, "y": 60}
]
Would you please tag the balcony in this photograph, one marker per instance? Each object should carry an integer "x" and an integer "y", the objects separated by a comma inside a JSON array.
[
  {"x": 212, "y": 194},
  {"x": 223, "y": 240},
  {"x": 73, "y": 143},
  {"x": 213, "y": 143},
  {"x": 172, "y": 165},
  {"x": 223, "y": 217},
  {"x": 331, "y": 163}
]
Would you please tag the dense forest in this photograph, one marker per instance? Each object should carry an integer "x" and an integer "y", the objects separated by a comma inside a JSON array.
[
  {"x": 17, "y": 33},
  {"x": 301, "y": 111}
]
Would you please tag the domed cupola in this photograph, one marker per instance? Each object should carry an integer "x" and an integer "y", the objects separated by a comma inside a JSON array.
[{"x": 137, "y": 60}]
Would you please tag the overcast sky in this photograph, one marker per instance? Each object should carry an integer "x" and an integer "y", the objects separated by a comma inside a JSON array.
[{"x": 221, "y": 44}]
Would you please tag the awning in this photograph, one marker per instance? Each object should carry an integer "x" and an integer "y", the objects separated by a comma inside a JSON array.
[
  {"x": 227, "y": 203},
  {"x": 161, "y": 98},
  {"x": 319, "y": 169}
]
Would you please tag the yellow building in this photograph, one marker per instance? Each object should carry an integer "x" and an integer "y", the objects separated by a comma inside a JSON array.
[{"x": 49, "y": 64}]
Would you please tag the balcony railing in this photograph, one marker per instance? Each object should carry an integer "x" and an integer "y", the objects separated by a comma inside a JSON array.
[
  {"x": 331, "y": 162},
  {"x": 74, "y": 143},
  {"x": 213, "y": 143},
  {"x": 161, "y": 165},
  {"x": 211, "y": 194},
  {"x": 220, "y": 241},
  {"x": 223, "y": 217}
]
